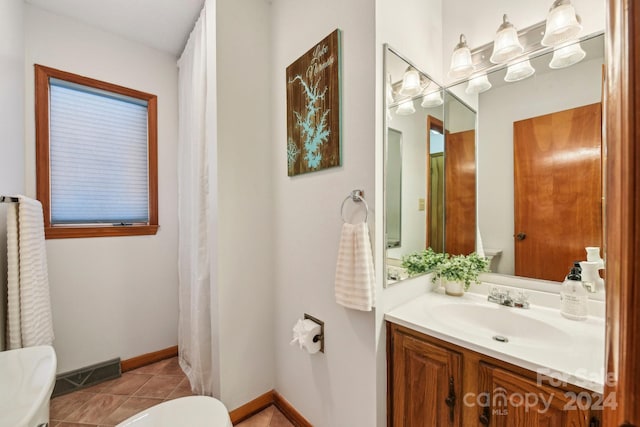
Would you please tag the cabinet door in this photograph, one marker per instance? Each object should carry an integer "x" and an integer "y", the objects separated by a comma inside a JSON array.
[
  {"x": 509, "y": 400},
  {"x": 426, "y": 385}
]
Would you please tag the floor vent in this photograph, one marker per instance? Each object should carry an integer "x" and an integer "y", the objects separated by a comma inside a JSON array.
[{"x": 86, "y": 377}]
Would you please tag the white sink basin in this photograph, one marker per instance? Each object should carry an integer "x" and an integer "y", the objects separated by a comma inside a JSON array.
[
  {"x": 494, "y": 320},
  {"x": 538, "y": 338}
]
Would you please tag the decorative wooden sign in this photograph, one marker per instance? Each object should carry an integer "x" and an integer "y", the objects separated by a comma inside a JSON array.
[{"x": 313, "y": 108}]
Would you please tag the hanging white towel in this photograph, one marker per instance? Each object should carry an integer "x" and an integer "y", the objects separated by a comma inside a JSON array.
[
  {"x": 29, "y": 321},
  {"x": 14, "y": 338},
  {"x": 355, "y": 281}
]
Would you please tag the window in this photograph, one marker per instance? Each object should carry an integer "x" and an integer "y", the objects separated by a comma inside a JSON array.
[{"x": 96, "y": 157}]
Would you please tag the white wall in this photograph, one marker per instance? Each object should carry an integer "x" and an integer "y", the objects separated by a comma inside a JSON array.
[
  {"x": 336, "y": 388},
  {"x": 11, "y": 123},
  {"x": 541, "y": 94},
  {"x": 479, "y": 20},
  {"x": 245, "y": 242},
  {"x": 111, "y": 296}
]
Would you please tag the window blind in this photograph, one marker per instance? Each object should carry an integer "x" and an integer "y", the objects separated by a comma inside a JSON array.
[{"x": 98, "y": 156}]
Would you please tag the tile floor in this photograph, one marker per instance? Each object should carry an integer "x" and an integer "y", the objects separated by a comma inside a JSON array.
[
  {"x": 269, "y": 417},
  {"x": 113, "y": 401}
]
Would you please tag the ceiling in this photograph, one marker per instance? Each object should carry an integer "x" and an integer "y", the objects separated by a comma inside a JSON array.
[{"x": 161, "y": 24}]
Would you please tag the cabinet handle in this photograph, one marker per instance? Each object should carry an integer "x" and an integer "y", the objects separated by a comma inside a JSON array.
[
  {"x": 485, "y": 417},
  {"x": 451, "y": 399}
]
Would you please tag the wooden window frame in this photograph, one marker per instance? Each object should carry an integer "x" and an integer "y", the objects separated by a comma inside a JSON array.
[{"x": 43, "y": 182}]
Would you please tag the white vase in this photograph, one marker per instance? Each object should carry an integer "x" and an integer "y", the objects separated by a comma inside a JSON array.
[
  {"x": 590, "y": 274},
  {"x": 453, "y": 288}
]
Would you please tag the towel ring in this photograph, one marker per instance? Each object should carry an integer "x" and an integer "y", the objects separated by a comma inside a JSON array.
[{"x": 355, "y": 196}]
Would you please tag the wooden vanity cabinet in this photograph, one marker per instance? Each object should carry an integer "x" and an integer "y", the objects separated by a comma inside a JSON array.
[
  {"x": 432, "y": 383},
  {"x": 426, "y": 383},
  {"x": 513, "y": 400}
]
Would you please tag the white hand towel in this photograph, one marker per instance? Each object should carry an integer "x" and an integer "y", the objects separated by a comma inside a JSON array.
[
  {"x": 355, "y": 281},
  {"x": 35, "y": 325},
  {"x": 14, "y": 337}
]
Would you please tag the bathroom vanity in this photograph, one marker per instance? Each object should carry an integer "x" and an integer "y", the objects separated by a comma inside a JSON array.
[{"x": 514, "y": 367}]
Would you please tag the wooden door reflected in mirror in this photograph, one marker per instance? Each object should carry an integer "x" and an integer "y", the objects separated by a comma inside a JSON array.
[{"x": 558, "y": 190}]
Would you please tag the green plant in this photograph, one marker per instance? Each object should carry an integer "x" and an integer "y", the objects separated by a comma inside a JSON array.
[
  {"x": 461, "y": 268},
  {"x": 423, "y": 261}
]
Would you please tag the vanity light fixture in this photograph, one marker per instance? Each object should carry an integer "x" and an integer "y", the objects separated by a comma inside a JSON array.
[
  {"x": 506, "y": 45},
  {"x": 406, "y": 108},
  {"x": 432, "y": 99},
  {"x": 519, "y": 71},
  {"x": 567, "y": 55},
  {"x": 562, "y": 24},
  {"x": 478, "y": 84},
  {"x": 410, "y": 83},
  {"x": 461, "y": 63}
]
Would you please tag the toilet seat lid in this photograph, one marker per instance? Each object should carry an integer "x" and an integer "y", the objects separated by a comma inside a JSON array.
[
  {"x": 27, "y": 376},
  {"x": 193, "y": 411}
]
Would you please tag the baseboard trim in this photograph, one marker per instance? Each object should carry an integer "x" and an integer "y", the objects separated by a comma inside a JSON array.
[
  {"x": 251, "y": 408},
  {"x": 264, "y": 401},
  {"x": 149, "y": 358},
  {"x": 289, "y": 411}
]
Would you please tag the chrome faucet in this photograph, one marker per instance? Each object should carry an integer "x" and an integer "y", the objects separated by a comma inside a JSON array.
[{"x": 503, "y": 297}]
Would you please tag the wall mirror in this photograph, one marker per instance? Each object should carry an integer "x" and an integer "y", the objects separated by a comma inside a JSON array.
[
  {"x": 430, "y": 176},
  {"x": 413, "y": 102},
  {"x": 539, "y": 159}
]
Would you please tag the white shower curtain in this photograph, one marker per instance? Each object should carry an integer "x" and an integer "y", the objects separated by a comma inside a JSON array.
[{"x": 194, "y": 329}]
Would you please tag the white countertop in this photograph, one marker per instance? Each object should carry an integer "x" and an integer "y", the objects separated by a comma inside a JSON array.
[{"x": 540, "y": 339}]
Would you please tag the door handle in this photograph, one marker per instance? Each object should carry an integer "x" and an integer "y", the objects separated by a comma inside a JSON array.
[
  {"x": 451, "y": 400},
  {"x": 485, "y": 417},
  {"x": 521, "y": 236}
]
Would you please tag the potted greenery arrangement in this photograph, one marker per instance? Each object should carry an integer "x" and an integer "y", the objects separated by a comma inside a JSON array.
[
  {"x": 423, "y": 261},
  {"x": 458, "y": 271}
]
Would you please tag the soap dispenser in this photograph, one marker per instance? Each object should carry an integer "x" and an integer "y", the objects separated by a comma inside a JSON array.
[{"x": 574, "y": 297}]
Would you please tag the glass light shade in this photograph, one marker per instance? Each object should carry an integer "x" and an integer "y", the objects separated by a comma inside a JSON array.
[
  {"x": 406, "y": 108},
  {"x": 461, "y": 63},
  {"x": 562, "y": 24},
  {"x": 389, "y": 90},
  {"x": 478, "y": 84},
  {"x": 506, "y": 44},
  {"x": 433, "y": 99},
  {"x": 410, "y": 83},
  {"x": 566, "y": 56},
  {"x": 519, "y": 71}
]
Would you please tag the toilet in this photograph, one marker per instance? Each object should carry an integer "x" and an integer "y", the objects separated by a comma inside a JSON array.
[
  {"x": 27, "y": 377},
  {"x": 192, "y": 411}
]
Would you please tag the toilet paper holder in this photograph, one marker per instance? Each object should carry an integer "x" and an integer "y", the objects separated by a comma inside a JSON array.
[{"x": 320, "y": 336}]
